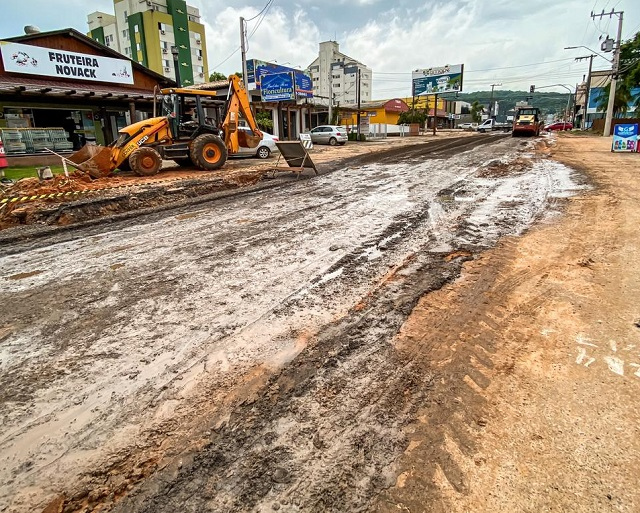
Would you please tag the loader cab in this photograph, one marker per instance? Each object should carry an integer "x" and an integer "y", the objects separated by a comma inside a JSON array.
[{"x": 186, "y": 113}]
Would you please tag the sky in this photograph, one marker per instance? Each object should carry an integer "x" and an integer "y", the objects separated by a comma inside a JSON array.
[{"x": 514, "y": 43}]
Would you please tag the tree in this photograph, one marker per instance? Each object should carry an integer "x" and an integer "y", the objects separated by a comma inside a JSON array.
[
  {"x": 264, "y": 120},
  {"x": 412, "y": 116},
  {"x": 216, "y": 76},
  {"x": 476, "y": 111}
]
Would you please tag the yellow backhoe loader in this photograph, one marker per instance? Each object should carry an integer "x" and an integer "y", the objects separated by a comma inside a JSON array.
[{"x": 176, "y": 136}]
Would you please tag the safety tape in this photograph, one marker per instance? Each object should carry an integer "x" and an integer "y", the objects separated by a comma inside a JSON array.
[{"x": 66, "y": 195}]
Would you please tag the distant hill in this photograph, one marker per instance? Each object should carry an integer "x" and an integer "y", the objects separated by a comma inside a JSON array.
[{"x": 549, "y": 103}]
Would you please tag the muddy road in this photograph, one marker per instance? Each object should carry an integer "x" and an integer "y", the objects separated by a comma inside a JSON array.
[{"x": 239, "y": 355}]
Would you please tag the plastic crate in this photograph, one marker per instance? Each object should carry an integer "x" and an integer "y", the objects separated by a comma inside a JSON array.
[{"x": 12, "y": 141}]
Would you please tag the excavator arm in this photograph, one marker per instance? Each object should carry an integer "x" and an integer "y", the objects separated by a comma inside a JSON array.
[{"x": 238, "y": 105}]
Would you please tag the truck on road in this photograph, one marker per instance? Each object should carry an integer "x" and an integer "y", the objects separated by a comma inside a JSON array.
[{"x": 491, "y": 124}]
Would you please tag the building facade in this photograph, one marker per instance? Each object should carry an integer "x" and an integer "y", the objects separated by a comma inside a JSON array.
[
  {"x": 61, "y": 89},
  {"x": 146, "y": 30},
  {"x": 335, "y": 77}
]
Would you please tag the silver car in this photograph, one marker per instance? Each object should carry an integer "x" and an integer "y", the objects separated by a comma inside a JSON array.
[
  {"x": 329, "y": 134},
  {"x": 266, "y": 147}
]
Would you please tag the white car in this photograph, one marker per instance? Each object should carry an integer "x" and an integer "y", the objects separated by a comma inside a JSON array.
[
  {"x": 264, "y": 150},
  {"x": 468, "y": 126}
]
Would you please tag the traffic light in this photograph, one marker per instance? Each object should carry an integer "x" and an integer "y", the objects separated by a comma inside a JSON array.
[{"x": 532, "y": 89}]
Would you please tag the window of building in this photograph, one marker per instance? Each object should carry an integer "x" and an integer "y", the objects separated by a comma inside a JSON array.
[
  {"x": 135, "y": 29},
  {"x": 138, "y": 46},
  {"x": 336, "y": 85},
  {"x": 166, "y": 63},
  {"x": 162, "y": 28},
  {"x": 125, "y": 15},
  {"x": 125, "y": 33},
  {"x": 127, "y": 50}
]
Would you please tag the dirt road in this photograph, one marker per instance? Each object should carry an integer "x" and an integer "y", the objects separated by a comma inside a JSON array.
[{"x": 347, "y": 343}]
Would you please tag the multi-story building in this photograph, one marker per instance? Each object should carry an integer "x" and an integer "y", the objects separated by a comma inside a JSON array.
[
  {"x": 335, "y": 76},
  {"x": 145, "y": 31}
]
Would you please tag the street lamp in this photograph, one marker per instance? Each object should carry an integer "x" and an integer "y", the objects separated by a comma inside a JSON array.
[
  {"x": 568, "y": 99},
  {"x": 176, "y": 64}
]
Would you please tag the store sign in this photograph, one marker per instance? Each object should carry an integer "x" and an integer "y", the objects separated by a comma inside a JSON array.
[
  {"x": 277, "y": 87},
  {"x": 443, "y": 79},
  {"x": 625, "y": 138},
  {"x": 257, "y": 70},
  {"x": 53, "y": 63}
]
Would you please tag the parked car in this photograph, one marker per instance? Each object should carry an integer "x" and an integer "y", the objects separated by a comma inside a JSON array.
[
  {"x": 559, "y": 125},
  {"x": 468, "y": 126},
  {"x": 329, "y": 134},
  {"x": 266, "y": 147}
]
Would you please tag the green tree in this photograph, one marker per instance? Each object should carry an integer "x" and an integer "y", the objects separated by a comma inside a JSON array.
[
  {"x": 265, "y": 121},
  {"x": 216, "y": 76},
  {"x": 476, "y": 111},
  {"x": 412, "y": 116}
]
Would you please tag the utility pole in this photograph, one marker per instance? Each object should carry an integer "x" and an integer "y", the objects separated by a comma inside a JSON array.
[
  {"x": 358, "y": 95},
  {"x": 588, "y": 91},
  {"x": 435, "y": 112},
  {"x": 491, "y": 100},
  {"x": 243, "y": 50},
  {"x": 614, "y": 69}
]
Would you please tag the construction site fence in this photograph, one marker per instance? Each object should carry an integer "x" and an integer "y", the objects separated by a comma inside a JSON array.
[{"x": 23, "y": 141}]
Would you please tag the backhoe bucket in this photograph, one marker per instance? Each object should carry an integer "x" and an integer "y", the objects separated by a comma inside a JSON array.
[
  {"x": 94, "y": 160},
  {"x": 248, "y": 141}
]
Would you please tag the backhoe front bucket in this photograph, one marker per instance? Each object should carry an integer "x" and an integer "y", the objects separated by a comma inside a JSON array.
[{"x": 94, "y": 160}]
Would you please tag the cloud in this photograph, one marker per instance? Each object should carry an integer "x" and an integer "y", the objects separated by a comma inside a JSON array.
[{"x": 392, "y": 38}]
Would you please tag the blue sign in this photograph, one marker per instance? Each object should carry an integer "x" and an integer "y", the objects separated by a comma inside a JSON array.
[
  {"x": 277, "y": 87},
  {"x": 625, "y": 138},
  {"x": 256, "y": 70}
]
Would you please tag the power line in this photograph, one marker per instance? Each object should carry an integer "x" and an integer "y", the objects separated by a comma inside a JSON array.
[{"x": 263, "y": 9}]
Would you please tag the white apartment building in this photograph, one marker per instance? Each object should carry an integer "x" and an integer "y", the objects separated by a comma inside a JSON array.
[{"x": 334, "y": 75}]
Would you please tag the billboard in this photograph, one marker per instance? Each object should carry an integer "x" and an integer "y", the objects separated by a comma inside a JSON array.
[
  {"x": 596, "y": 97},
  {"x": 54, "y": 63},
  {"x": 256, "y": 70},
  {"x": 277, "y": 87},
  {"x": 443, "y": 79}
]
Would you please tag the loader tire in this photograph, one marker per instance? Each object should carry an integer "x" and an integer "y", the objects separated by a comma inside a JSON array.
[
  {"x": 208, "y": 152},
  {"x": 145, "y": 161}
]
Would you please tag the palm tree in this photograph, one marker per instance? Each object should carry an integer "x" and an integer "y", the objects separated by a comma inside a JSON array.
[{"x": 476, "y": 111}]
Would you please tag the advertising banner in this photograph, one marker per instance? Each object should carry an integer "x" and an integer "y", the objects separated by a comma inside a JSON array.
[
  {"x": 443, "y": 79},
  {"x": 256, "y": 70},
  {"x": 625, "y": 138},
  {"x": 277, "y": 87},
  {"x": 53, "y": 63}
]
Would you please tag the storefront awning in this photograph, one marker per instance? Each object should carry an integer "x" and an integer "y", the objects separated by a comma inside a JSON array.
[{"x": 49, "y": 88}]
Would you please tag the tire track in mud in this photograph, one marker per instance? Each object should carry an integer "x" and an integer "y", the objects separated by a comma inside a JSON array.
[{"x": 325, "y": 429}]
